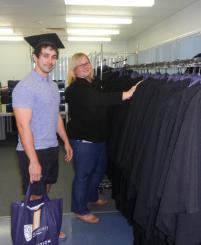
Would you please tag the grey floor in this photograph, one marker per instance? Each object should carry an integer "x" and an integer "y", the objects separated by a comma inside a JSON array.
[
  {"x": 113, "y": 228},
  {"x": 10, "y": 181}
]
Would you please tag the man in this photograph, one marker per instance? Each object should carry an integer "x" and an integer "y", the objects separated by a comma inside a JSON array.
[{"x": 36, "y": 107}]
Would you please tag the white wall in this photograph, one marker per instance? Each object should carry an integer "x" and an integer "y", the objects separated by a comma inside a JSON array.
[
  {"x": 15, "y": 60},
  {"x": 116, "y": 47},
  {"x": 185, "y": 22},
  {"x": 184, "y": 48}
]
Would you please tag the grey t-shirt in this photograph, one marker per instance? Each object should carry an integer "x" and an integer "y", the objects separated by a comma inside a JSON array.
[{"x": 41, "y": 95}]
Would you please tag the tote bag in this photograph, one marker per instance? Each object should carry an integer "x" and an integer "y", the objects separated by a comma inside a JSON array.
[{"x": 36, "y": 222}]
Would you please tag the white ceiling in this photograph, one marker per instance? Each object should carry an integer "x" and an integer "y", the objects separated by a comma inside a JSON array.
[{"x": 30, "y": 17}]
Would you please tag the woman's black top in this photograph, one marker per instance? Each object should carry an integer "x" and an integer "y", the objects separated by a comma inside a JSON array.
[{"x": 87, "y": 109}]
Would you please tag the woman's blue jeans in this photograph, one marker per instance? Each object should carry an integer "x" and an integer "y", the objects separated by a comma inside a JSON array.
[{"x": 90, "y": 162}]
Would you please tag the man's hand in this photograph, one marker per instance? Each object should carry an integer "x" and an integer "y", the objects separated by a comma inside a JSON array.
[
  {"x": 35, "y": 171},
  {"x": 69, "y": 152}
]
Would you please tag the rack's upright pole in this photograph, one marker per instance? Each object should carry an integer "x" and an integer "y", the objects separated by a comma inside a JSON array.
[{"x": 101, "y": 63}]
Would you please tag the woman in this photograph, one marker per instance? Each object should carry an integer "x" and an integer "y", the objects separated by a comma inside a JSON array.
[{"x": 87, "y": 131}]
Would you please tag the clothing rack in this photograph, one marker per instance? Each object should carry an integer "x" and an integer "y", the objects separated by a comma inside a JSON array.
[
  {"x": 159, "y": 121},
  {"x": 120, "y": 63},
  {"x": 194, "y": 62},
  {"x": 113, "y": 60}
]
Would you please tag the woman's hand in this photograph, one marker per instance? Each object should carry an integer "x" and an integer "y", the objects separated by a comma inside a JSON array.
[
  {"x": 128, "y": 94},
  {"x": 69, "y": 152}
]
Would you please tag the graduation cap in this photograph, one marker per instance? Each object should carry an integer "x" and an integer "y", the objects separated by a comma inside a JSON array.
[{"x": 37, "y": 40}]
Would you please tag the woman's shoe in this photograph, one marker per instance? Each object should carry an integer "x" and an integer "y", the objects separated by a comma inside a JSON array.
[
  {"x": 88, "y": 218},
  {"x": 100, "y": 202}
]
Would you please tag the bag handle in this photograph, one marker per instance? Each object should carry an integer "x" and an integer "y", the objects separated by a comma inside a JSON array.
[{"x": 45, "y": 197}]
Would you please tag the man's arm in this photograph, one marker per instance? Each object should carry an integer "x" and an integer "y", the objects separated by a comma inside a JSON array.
[
  {"x": 23, "y": 119},
  {"x": 62, "y": 133}
]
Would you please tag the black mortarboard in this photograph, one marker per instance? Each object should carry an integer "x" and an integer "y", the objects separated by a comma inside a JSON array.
[{"x": 36, "y": 40}]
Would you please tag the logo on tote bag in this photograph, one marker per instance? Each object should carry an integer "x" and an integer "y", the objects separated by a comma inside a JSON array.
[{"x": 28, "y": 232}]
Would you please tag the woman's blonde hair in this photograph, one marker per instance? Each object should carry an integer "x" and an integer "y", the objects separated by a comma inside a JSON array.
[{"x": 74, "y": 62}]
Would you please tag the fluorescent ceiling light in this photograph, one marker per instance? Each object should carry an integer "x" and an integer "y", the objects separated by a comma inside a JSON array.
[
  {"x": 6, "y": 30},
  {"x": 11, "y": 38},
  {"x": 93, "y": 19},
  {"x": 126, "y": 3},
  {"x": 92, "y": 32},
  {"x": 90, "y": 39}
]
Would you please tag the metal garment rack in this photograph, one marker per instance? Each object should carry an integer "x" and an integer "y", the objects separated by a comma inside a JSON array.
[
  {"x": 113, "y": 60},
  {"x": 157, "y": 66}
]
